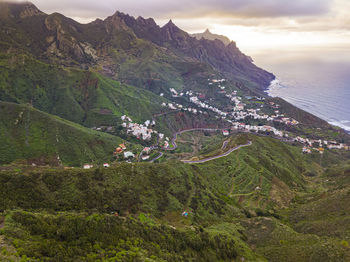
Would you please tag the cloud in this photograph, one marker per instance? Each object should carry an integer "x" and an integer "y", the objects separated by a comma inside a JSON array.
[
  {"x": 242, "y": 20},
  {"x": 185, "y": 8}
]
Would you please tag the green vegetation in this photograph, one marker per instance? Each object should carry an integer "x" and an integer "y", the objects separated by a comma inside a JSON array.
[
  {"x": 36, "y": 137},
  {"x": 69, "y": 215},
  {"x": 101, "y": 237},
  {"x": 83, "y": 97},
  {"x": 59, "y": 79}
]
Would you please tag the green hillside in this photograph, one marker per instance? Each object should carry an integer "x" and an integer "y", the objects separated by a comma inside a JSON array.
[
  {"x": 68, "y": 215},
  {"x": 29, "y": 134},
  {"x": 75, "y": 210},
  {"x": 223, "y": 176},
  {"x": 80, "y": 96}
]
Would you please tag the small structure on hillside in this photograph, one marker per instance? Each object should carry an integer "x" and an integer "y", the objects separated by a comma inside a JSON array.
[
  {"x": 147, "y": 150},
  {"x": 225, "y": 132},
  {"x": 306, "y": 150},
  {"x": 88, "y": 166},
  {"x": 145, "y": 158},
  {"x": 185, "y": 214},
  {"x": 106, "y": 165},
  {"x": 129, "y": 154}
]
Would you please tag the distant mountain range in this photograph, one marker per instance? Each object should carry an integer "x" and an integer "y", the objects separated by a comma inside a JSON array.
[
  {"x": 210, "y": 36},
  {"x": 120, "y": 44}
]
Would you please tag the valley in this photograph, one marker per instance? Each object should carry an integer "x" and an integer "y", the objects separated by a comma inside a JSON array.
[{"x": 121, "y": 140}]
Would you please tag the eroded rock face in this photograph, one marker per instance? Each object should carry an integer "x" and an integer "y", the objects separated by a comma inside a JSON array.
[
  {"x": 18, "y": 10},
  {"x": 30, "y": 10},
  {"x": 64, "y": 43}
]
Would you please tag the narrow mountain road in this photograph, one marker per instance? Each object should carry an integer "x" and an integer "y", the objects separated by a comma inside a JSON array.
[
  {"x": 173, "y": 140},
  {"x": 216, "y": 157},
  {"x": 156, "y": 158}
]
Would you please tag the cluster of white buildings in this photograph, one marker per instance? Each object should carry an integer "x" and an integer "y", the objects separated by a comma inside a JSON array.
[
  {"x": 141, "y": 131},
  {"x": 317, "y": 144},
  {"x": 253, "y": 128},
  {"x": 217, "y": 81},
  {"x": 195, "y": 100},
  {"x": 175, "y": 93}
]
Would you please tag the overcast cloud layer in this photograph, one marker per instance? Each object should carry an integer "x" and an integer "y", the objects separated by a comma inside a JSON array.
[
  {"x": 186, "y": 8},
  {"x": 329, "y": 18}
]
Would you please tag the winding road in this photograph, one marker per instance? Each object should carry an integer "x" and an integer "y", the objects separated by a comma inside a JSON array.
[
  {"x": 173, "y": 140},
  {"x": 216, "y": 157},
  {"x": 224, "y": 145},
  {"x": 156, "y": 158}
]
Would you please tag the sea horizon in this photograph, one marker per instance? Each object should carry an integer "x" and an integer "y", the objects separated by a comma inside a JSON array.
[{"x": 317, "y": 82}]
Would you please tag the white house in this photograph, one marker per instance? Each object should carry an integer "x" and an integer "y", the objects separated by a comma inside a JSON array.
[{"x": 128, "y": 154}]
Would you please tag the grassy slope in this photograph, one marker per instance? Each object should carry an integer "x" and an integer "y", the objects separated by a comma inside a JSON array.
[
  {"x": 325, "y": 212},
  {"x": 79, "y": 96},
  {"x": 277, "y": 169},
  {"x": 162, "y": 190},
  {"x": 27, "y": 133}
]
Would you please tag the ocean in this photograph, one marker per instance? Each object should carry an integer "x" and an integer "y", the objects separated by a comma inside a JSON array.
[{"x": 315, "y": 79}]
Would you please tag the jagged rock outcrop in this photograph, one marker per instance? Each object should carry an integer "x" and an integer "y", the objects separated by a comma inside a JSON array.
[{"x": 18, "y": 10}]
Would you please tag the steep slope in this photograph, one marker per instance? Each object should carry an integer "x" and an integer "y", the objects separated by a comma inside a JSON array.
[
  {"x": 36, "y": 137},
  {"x": 228, "y": 60},
  {"x": 80, "y": 96}
]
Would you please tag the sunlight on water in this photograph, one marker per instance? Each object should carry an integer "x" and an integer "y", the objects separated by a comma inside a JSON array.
[{"x": 316, "y": 80}]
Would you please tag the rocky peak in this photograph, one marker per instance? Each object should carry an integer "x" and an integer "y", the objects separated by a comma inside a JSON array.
[
  {"x": 172, "y": 33},
  {"x": 30, "y": 10},
  {"x": 117, "y": 21},
  {"x": 146, "y": 22},
  {"x": 19, "y": 9},
  {"x": 170, "y": 25}
]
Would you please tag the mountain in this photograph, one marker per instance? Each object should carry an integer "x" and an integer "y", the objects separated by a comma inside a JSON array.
[
  {"x": 228, "y": 173},
  {"x": 210, "y": 36},
  {"x": 135, "y": 51}
]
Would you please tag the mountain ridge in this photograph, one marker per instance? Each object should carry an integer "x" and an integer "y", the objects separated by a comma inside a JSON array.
[
  {"x": 210, "y": 36},
  {"x": 66, "y": 41}
]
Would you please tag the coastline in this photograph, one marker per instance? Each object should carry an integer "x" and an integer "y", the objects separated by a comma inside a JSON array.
[{"x": 276, "y": 85}]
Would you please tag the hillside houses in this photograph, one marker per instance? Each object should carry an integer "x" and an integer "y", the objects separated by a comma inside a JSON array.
[
  {"x": 316, "y": 144},
  {"x": 141, "y": 131}
]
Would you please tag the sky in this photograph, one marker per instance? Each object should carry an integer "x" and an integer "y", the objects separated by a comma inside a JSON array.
[{"x": 254, "y": 24}]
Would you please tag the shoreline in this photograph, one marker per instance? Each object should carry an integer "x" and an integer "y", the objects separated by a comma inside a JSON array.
[{"x": 276, "y": 84}]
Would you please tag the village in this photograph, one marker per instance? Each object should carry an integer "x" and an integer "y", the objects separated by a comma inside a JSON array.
[{"x": 258, "y": 117}]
